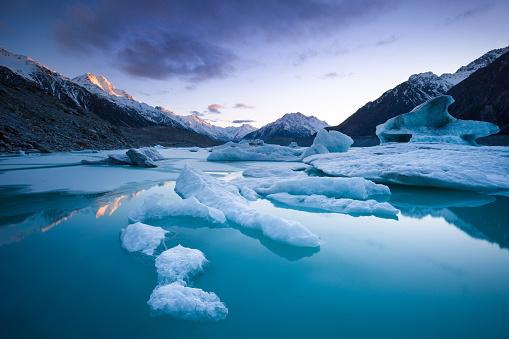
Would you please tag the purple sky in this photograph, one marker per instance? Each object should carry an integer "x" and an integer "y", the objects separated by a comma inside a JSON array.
[{"x": 235, "y": 61}]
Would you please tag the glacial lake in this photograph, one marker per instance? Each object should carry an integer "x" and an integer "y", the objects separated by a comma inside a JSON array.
[{"x": 440, "y": 271}]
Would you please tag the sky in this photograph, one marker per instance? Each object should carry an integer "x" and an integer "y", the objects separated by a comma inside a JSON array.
[{"x": 252, "y": 61}]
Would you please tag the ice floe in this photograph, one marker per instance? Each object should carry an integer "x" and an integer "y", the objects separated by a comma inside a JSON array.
[
  {"x": 430, "y": 122},
  {"x": 142, "y": 157},
  {"x": 346, "y": 206},
  {"x": 185, "y": 302},
  {"x": 481, "y": 168},
  {"x": 329, "y": 142},
  {"x": 142, "y": 238},
  {"x": 153, "y": 210},
  {"x": 179, "y": 264},
  {"x": 225, "y": 197},
  {"x": 258, "y": 152}
]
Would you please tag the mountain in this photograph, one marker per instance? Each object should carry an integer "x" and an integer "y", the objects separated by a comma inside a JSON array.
[
  {"x": 484, "y": 95},
  {"x": 96, "y": 94},
  {"x": 223, "y": 134},
  {"x": 404, "y": 97},
  {"x": 290, "y": 127}
]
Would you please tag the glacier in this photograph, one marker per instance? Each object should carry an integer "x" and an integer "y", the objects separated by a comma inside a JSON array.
[
  {"x": 142, "y": 238},
  {"x": 190, "y": 207},
  {"x": 472, "y": 168},
  {"x": 225, "y": 197},
  {"x": 430, "y": 122}
]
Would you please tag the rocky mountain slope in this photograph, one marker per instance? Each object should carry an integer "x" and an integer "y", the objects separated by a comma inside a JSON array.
[
  {"x": 484, "y": 95},
  {"x": 404, "y": 97},
  {"x": 290, "y": 127}
]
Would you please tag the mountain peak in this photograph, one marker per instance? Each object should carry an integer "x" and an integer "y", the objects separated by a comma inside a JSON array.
[{"x": 100, "y": 85}]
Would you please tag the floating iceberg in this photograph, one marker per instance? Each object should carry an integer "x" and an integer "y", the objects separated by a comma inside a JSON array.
[
  {"x": 329, "y": 142},
  {"x": 142, "y": 157},
  {"x": 179, "y": 264},
  {"x": 143, "y": 238},
  {"x": 257, "y": 152},
  {"x": 347, "y": 206},
  {"x": 186, "y": 302},
  {"x": 175, "y": 267},
  {"x": 430, "y": 122},
  {"x": 353, "y": 188},
  {"x": 191, "y": 207},
  {"x": 475, "y": 168},
  {"x": 225, "y": 197},
  {"x": 267, "y": 171}
]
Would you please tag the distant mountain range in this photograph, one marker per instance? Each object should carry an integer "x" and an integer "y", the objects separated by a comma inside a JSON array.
[
  {"x": 96, "y": 94},
  {"x": 415, "y": 91}
]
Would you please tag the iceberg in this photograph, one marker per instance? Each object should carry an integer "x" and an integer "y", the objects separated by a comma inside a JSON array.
[
  {"x": 142, "y": 238},
  {"x": 353, "y": 188},
  {"x": 346, "y": 206},
  {"x": 225, "y": 197},
  {"x": 253, "y": 152},
  {"x": 472, "y": 168},
  {"x": 430, "y": 122},
  {"x": 142, "y": 157},
  {"x": 179, "y": 264},
  {"x": 190, "y": 207},
  {"x": 329, "y": 142},
  {"x": 185, "y": 302}
]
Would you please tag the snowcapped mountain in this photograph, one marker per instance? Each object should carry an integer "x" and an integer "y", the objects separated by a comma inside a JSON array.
[
  {"x": 290, "y": 125},
  {"x": 99, "y": 85},
  {"x": 404, "y": 97}
]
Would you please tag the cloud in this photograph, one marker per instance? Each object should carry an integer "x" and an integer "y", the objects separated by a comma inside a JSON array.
[
  {"x": 334, "y": 75},
  {"x": 242, "y": 121},
  {"x": 196, "y": 113},
  {"x": 214, "y": 108},
  {"x": 241, "y": 105},
  {"x": 467, "y": 14},
  {"x": 388, "y": 41},
  {"x": 201, "y": 39}
]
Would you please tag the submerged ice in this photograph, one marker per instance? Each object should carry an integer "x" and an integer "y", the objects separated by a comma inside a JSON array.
[
  {"x": 430, "y": 122},
  {"x": 225, "y": 197}
]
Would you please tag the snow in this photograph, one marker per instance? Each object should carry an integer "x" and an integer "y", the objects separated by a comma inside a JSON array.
[
  {"x": 346, "y": 206},
  {"x": 329, "y": 142},
  {"x": 245, "y": 152},
  {"x": 186, "y": 302},
  {"x": 475, "y": 168},
  {"x": 190, "y": 207},
  {"x": 430, "y": 122},
  {"x": 225, "y": 197},
  {"x": 179, "y": 264},
  {"x": 142, "y": 238}
]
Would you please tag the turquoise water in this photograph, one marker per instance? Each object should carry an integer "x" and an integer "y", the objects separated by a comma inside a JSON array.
[{"x": 440, "y": 271}]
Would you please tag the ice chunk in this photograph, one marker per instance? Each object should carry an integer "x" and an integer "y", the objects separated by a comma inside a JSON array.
[
  {"x": 430, "y": 122},
  {"x": 143, "y": 238},
  {"x": 329, "y": 142},
  {"x": 225, "y": 197},
  {"x": 248, "y": 152},
  {"x": 347, "y": 206},
  {"x": 140, "y": 159},
  {"x": 179, "y": 264},
  {"x": 191, "y": 207},
  {"x": 249, "y": 194},
  {"x": 188, "y": 303},
  {"x": 267, "y": 171},
  {"x": 353, "y": 188},
  {"x": 482, "y": 169}
]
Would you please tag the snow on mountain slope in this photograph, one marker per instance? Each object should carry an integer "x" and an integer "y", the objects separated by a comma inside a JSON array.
[
  {"x": 99, "y": 85},
  {"x": 224, "y": 134},
  {"x": 289, "y": 125}
]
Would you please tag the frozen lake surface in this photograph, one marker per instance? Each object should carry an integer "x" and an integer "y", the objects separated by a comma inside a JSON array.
[{"x": 440, "y": 269}]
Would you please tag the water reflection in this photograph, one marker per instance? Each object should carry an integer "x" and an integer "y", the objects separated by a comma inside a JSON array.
[
  {"x": 25, "y": 213},
  {"x": 480, "y": 216}
]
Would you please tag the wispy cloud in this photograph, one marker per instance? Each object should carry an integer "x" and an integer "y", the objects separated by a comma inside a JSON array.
[
  {"x": 467, "y": 14},
  {"x": 242, "y": 121},
  {"x": 196, "y": 113},
  {"x": 214, "y": 108},
  {"x": 390, "y": 40},
  {"x": 334, "y": 75},
  {"x": 241, "y": 105}
]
